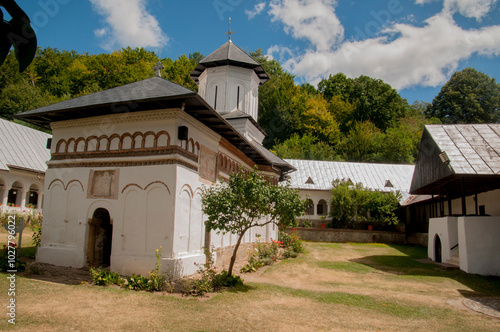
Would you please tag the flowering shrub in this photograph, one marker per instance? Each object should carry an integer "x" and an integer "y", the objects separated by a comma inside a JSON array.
[
  {"x": 209, "y": 280},
  {"x": 268, "y": 251},
  {"x": 36, "y": 227},
  {"x": 159, "y": 281},
  {"x": 291, "y": 241}
]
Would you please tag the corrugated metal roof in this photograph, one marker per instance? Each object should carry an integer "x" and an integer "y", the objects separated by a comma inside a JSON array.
[
  {"x": 22, "y": 147},
  {"x": 371, "y": 176},
  {"x": 471, "y": 148}
]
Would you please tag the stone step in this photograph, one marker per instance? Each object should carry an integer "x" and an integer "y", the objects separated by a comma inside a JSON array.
[{"x": 455, "y": 260}]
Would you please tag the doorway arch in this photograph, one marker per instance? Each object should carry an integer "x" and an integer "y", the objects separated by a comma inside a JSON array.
[
  {"x": 100, "y": 238},
  {"x": 437, "y": 249}
]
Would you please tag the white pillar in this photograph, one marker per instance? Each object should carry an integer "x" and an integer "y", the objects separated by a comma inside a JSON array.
[
  {"x": 39, "y": 201},
  {"x": 5, "y": 197},
  {"x": 23, "y": 198}
]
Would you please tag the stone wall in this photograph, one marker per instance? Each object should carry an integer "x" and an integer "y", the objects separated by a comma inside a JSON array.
[
  {"x": 347, "y": 235},
  {"x": 223, "y": 255}
]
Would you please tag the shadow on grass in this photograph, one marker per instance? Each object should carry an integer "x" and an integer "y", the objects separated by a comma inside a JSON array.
[
  {"x": 406, "y": 265},
  {"x": 245, "y": 288}
]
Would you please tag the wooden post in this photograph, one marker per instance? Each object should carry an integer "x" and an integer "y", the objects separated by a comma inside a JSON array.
[
  {"x": 450, "y": 212},
  {"x": 464, "y": 205},
  {"x": 433, "y": 206},
  {"x": 477, "y": 206}
]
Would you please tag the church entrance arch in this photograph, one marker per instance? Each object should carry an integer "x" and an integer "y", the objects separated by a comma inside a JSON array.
[
  {"x": 100, "y": 238},
  {"x": 437, "y": 249}
]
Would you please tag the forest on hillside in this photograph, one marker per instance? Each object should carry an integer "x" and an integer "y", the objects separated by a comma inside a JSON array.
[{"x": 358, "y": 119}]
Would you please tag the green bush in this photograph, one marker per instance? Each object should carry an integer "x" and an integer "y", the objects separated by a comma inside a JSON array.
[
  {"x": 353, "y": 203},
  {"x": 253, "y": 264},
  {"x": 307, "y": 223},
  {"x": 158, "y": 280},
  {"x": 292, "y": 241},
  {"x": 289, "y": 253},
  {"x": 223, "y": 279},
  {"x": 268, "y": 250},
  {"x": 103, "y": 278},
  {"x": 136, "y": 282}
]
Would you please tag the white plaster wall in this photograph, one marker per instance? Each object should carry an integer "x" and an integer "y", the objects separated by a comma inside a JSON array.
[
  {"x": 447, "y": 229},
  {"x": 227, "y": 79},
  {"x": 489, "y": 199},
  {"x": 316, "y": 196},
  {"x": 479, "y": 245}
]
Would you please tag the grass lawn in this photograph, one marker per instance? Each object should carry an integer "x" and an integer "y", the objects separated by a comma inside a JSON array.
[{"x": 365, "y": 287}]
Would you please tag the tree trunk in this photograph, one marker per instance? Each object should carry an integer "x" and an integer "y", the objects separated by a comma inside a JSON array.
[{"x": 233, "y": 257}]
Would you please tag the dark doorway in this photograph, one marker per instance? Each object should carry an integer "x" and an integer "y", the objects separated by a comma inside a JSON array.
[
  {"x": 12, "y": 198},
  {"x": 100, "y": 238},
  {"x": 437, "y": 249}
]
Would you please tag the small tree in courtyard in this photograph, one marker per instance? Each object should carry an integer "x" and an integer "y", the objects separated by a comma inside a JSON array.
[{"x": 249, "y": 200}]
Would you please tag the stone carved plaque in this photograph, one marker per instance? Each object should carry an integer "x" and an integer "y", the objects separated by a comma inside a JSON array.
[
  {"x": 103, "y": 184},
  {"x": 208, "y": 164}
]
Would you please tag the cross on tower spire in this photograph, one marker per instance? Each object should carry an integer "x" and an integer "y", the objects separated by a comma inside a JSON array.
[
  {"x": 158, "y": 68},
  {"x": 229, "y": 32}
]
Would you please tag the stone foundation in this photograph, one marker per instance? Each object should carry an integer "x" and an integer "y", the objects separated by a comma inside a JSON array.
[
  {"x": 223, "y": 255},
  {"x": 347, "y": 235}
]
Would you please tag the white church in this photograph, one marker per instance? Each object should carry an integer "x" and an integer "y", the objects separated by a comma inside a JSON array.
[{"x": 128, "y": 165}]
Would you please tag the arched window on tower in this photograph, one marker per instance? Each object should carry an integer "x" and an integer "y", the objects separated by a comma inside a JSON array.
[
  {"x": 238, "y": 98},
  {"x": 215, "y": 98}
]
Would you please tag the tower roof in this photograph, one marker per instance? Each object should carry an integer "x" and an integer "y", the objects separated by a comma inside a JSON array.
[{"x": 229, "y": 55}]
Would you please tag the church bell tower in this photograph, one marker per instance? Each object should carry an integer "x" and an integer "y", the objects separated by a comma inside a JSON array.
[{"x": 229, "y": 80}]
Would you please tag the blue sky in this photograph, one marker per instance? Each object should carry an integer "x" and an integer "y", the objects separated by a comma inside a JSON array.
[{"x": 414, "y": 45}]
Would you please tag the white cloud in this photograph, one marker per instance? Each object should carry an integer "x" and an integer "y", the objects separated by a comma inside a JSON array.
[
  {"x": 100, "y": 32},
  {"x": 403, "y": 55},
  {"x": 470, "y": 8},
  {"x": 314, "y": 20},
  {"x": 128, "y": 24},
  {"x": 256, "y": 10}
]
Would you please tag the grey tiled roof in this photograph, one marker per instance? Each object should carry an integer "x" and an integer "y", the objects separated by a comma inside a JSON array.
[
  {"x": 272, "y": 158},
  {"x": 471, "y": 148},
  {"x": 229, "y": 54},
  {"x": 22, "y": 147},
  {"x": 229, "y": 51},
  {"x": 371, "y": 176},
  {"x": 148, "y": 89}
]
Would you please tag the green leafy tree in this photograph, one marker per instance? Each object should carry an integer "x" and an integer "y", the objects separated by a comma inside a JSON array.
[
  {"x": 352, "y": 203},
  {"x": 468, "y": 97},
  {"x": 374, "y": 100},
  {"x": 318, "y": 120},
  {"x": 21, "y": 97},
  {"x": 348, "y": 202},
  {"x": 306, "y": 147},
  {"x": 178, "y": 71},
  {"x": 383, "y": 207},
  {"x": 343, "y": 112},
  {"x": 399, "y": 144},
  {"x": 362, "y": 143},
  {"x": 249, "y": 200}
]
